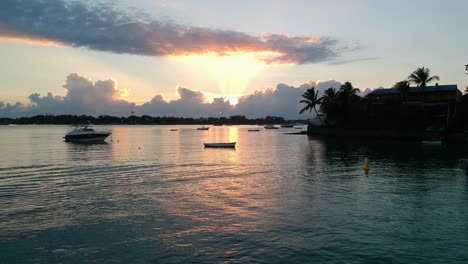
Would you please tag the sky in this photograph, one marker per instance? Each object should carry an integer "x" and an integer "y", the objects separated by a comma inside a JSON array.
[{"x": 216, "y": 58}]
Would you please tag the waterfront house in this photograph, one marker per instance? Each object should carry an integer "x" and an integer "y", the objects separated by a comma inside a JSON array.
[
  {"x": 429, "y": 95},
  {"x": 431, "y": 105}
]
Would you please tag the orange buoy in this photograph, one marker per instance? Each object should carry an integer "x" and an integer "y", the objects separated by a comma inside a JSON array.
[{"x": 366, "y": 166}]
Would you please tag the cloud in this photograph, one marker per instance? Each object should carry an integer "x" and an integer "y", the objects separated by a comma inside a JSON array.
[
  {"x": 100, "y": 27},
  {"x": 342, "y": 62},
  {"x": 103, "y": 97},
  {"x": 82, "y": 97},
  {"x": 190, "y": 104}
]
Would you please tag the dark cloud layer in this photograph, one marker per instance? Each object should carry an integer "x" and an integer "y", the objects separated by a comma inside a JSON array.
[
  {"x": 100, "y": 27},
  {"x": 104, "y": 98}
]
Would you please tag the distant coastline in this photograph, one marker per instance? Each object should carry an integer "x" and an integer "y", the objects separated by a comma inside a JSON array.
[{"x": 142, "y": 120}]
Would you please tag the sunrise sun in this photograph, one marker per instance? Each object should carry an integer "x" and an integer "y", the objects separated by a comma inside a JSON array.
[{"x": 231, "y": 71}]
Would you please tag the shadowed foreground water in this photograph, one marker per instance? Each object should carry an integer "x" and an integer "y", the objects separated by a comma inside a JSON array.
[{"x": 151, "y": 195}]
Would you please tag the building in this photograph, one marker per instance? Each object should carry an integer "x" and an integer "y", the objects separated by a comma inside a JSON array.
[
  {"x": 431, "y": 106},
  {"x": 429, "y": 95}
]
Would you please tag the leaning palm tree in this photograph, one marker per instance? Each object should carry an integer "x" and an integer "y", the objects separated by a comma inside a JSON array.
[
  {"x": 311, "y": 100},
  {"x": 403, "y": 87},
  {"x": 422, "y": 76}
]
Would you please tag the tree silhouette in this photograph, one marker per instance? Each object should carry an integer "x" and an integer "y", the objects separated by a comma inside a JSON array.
[
  {"x": 422, "y": 76},
  {"x": 311, "y": 100},
  {"x": 403, "y": 87}
]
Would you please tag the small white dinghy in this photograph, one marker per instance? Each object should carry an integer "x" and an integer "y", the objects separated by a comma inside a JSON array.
[{"x": 220, "y": 145}]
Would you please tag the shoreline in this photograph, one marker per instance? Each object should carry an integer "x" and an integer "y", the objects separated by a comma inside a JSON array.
[{"x": 406, "y": 135}]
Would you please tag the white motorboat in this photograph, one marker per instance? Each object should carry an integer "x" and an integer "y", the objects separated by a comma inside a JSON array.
[
  {"x": 86, "y": 134},
  {"x": 220, "y": 145}
]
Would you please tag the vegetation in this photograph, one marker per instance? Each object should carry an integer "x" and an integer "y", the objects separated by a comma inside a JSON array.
[
  {"x": 138, "y": 120},
  {"x": 311, "y": 100},
  {"x": 345, "y": 109},
  {"x": 422, "y": 76},
  {"x": 342, "y": 107},
  {"x": 403, "y": 87}
]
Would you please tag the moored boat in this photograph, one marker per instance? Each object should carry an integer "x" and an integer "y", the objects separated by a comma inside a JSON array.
[
  {"x": 270, "y": 127},
  {"x": 254, "y": 130},
  {"x": 203, "y": 128},
  {"x": 86, "y": 134},
  {"x": 431, "y": 142},
  {"x": 220, "y": 145}
]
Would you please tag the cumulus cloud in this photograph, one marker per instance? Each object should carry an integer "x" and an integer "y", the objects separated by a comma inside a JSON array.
[
  {"x": 100, "y": 27},
  {"x": 190, "y": 104},
  {"x": 103, "y": 97},
  {"x": 282, "y": 101},
  {"x": 82, "y": 97}
]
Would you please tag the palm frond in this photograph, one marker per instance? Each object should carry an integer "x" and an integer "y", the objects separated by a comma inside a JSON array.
[
  {"x": 307, "y": 107},
  {"x": 432, "y": 78}
]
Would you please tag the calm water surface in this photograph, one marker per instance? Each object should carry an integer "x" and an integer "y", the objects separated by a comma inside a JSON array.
[{"x": 154, "y": 196}]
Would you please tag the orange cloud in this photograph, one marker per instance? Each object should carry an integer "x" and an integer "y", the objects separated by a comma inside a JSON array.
[{"x": 105, "y": 29}]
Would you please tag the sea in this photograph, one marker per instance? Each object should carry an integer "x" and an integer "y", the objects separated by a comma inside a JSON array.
[{"x": 152, "y": 195}]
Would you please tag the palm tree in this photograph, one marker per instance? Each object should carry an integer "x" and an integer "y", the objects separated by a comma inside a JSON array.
[
  {"x": 346, "y": 96},
  {"x": 330, "y": 103},
  {"x": 348, "y": 88},
  {"x": 311, "y": 100},
  {"x": 403, "y": 87},
  {"x": 422, "y": 76}
]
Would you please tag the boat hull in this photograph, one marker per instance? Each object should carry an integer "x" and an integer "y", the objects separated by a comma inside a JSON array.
[
  {"x": 220, "y": 145},
  {"x": 431, "y": 142},
  {"x": 97, "y": 137}
]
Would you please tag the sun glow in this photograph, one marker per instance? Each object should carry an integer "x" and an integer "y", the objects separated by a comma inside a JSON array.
[
  {"x": 232, "y": 72},
  {"x": 233, "y": 101},
  {"x": 32, "y": 41}
]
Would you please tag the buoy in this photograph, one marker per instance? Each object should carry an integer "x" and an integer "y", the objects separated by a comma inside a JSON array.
[{"x": 366, "y": 166}]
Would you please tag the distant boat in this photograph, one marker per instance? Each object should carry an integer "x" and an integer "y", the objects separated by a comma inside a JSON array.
[
  {"x": 173, "y": 129},
  {"x": 433, "y": 136},
  {"x": 86, "y": 134},
  {"x": 287, "y": 125},
  {"x": 203, "y": 128},
  {"x": 220, "y": 145},
  {"x": 270, "y": 127},
  {"x": 431, "y": 142},
  {"x": 254, "y": 130}
]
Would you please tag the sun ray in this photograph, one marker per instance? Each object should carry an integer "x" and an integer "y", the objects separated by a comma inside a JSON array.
[{"x": 232, "y": 71}]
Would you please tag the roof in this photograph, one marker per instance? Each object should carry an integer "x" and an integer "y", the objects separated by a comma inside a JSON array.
[{"x": 427, "y": 89}]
